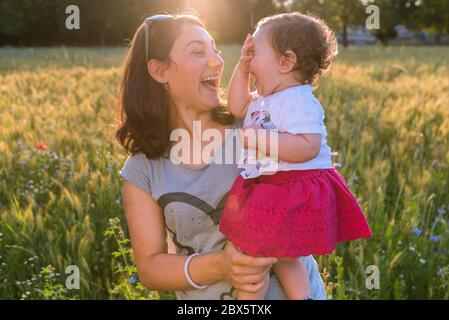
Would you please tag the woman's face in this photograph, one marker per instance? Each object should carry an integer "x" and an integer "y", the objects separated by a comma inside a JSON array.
[{"x": 195, "y": 70}]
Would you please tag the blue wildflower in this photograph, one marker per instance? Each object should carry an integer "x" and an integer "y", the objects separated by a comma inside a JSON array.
[
  {"x": 417, "y": 231},
  {"x": 132, "y": 279},
  {"x": 441, "y": 211},
  {"x": 439, "y": 272},
  {"x": 433, "y": 238}
]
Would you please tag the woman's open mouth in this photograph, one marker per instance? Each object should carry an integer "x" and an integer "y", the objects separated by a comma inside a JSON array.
[{"x": 210, "y": 83}]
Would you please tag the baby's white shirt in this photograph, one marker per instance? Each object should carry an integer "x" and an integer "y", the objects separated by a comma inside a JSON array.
[{"x": 294, "y": 110}]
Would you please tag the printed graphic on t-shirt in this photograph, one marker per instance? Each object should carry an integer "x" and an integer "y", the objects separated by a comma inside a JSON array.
[
  {"x": 251, "y": 157},
  {"x": 264, "y": 119},
  {"x": 173, "y": 203}
]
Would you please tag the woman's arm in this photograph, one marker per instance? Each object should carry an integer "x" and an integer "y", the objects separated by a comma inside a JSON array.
[
  {"x": 239, "y": 95},
  {"x": 159, "y": 270}
]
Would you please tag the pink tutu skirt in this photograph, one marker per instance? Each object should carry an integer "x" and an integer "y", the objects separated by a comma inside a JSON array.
[{"x": 292, "y": 214}]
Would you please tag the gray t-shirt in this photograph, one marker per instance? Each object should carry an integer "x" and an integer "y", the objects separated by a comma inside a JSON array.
[{"x": 192, "y": 201}]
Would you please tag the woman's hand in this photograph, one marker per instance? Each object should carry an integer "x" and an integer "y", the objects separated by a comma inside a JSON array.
[{"x": 245, "y": 272}]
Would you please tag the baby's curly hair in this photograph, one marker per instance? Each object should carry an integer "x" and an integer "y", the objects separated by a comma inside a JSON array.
[{"x": 309, "y": 37}]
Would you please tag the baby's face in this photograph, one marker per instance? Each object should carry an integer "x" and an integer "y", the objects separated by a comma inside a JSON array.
[{"x": 264, "y": 64}]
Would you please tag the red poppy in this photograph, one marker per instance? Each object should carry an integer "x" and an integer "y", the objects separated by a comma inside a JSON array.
[{"x": 41, "y": 145}]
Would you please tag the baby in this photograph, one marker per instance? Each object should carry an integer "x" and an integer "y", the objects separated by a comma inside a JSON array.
[{"x": 305, "y": 207}]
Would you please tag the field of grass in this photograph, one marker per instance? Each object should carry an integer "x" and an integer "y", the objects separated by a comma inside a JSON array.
[{"x": 387, "y": 114}]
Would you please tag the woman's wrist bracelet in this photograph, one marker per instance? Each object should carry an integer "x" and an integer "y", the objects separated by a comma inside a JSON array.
[{"x": 187, "y": 275}]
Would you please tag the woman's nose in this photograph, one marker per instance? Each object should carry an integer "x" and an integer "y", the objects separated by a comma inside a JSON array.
[{"x": 215, "y": 61}]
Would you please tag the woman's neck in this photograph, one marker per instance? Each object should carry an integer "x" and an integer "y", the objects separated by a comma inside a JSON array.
[
  {"x": 183, "y": 118},
  {"x": 196, "y": 123}
]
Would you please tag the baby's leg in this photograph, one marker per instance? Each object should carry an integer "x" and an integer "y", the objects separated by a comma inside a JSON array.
[
  {"x": 292, "y": 275},
  {"x": 259, "y": 295}
]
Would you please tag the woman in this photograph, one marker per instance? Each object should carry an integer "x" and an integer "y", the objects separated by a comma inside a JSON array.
[{"x": 171, "y": 78}]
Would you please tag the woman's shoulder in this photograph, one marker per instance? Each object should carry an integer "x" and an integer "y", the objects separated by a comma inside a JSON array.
[
  {"x": 137, "y": 170},
  {"x": 137, "y": 157},
  {"x": 140, "y": 160},
  {"x": 148, "y": 166}
]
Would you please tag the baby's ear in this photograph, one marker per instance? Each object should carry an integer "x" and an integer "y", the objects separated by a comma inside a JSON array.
[{"x": 287, "y": 61}]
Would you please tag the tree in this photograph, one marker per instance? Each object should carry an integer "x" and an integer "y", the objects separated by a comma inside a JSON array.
[
  {"x": 12, "y": 19},
  {"x": 261, "y": 9},
  {"x": 339, "y": 14},
  {"x": 392, "y": 13},
  {"x": 26, "y": 20},
  {"x": 432, "y": 15}
]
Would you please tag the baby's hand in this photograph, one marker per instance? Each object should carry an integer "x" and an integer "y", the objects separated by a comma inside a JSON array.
[{"x": 246, "y": 55}]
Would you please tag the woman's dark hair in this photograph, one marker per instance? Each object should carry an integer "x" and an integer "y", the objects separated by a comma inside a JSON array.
[
  {"x": 143, "y": 103},
  {"x": 309, "y": 37}
]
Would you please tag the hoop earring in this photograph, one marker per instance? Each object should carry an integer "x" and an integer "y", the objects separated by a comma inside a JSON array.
[{"x": 166, "y": 85}]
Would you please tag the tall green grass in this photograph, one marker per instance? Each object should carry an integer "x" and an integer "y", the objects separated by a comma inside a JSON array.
[{"x": 387, "y": 115}]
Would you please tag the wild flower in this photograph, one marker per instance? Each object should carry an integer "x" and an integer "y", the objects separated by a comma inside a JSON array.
[
  {"x": 434, "y": 238},
  {"x": 40, "y": 145},
  {"x": 132, "y": 279}
]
